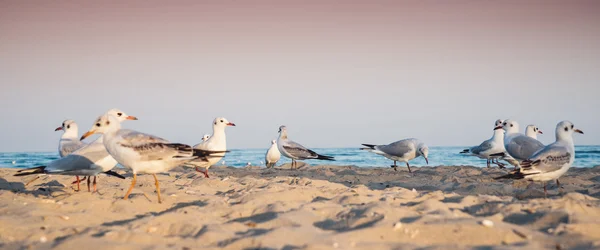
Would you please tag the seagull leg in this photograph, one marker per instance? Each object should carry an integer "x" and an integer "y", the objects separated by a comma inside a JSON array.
[
  {"x": 130, "y": 187},
  {"x": 95, "y": 189},
  {"x": 408, "y": 166},
  {"x": 488, "y": 163},
  {"x": 29, "y": 182},
  {"x": 77, "y": 183},
  {"x": 158, "y": 187},
  {"x": 206, "y": 173},
  {"x": 88, "y": 182},
  {"x": 500, "y": 165}
]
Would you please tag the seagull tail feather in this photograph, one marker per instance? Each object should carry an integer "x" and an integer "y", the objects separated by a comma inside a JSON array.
[{"x": 36, "y": 170}]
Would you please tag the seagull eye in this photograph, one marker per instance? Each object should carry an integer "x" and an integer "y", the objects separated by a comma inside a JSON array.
[
  {"x": 566, "y": 128},
  {"x": 221, "y": 120},
  {"x": 572, "y": 126},
  {"x": 119, "y": 114},
  {"x": 511, "y": 125},
  {"x": 97, "y": 124},
  {"x": 107, "y": 123},
  {"x": 68, "y": 126}
]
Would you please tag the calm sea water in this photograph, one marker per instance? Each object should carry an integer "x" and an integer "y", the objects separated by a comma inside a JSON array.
[{"x": 585, "y": 156}]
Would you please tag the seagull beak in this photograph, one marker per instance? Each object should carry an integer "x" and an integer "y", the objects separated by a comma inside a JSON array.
[
  {"x": 231, "y": 124},
  {"x": 498, "y": 127},
  {"x": 91, "y": 132},
  {"x": 427, "y": 161},
  {"x": 578, "y": 131},
  {"x": 131, "y": 118},
  {"x": 540, "y": 132},
  {"x": 59, "y": 128}
]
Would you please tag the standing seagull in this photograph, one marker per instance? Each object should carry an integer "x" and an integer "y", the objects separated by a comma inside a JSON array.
[
  {"x": 272, "y": 155},
  {"x": 142, "y": 153},
  {"x": 402, "y": 151},
  {"x": 491, "y": 146},
  {"x": 532, "y": 131},
  {"x": 517, "y": 145},
  {"x": 216, "y": 142},
  {"x": 69, "y": 142},
  {"x": 90, "y": 160},
  {"x": 552, "y": 161},
  {"x": 295, "y": 151}
]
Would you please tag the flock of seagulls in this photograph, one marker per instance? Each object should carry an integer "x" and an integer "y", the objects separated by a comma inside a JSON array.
[
  {"x": 143, "y": 153},
  {"x": 532, "y": 159}
]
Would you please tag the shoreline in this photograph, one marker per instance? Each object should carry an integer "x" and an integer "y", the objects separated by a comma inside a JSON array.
[{"x": 316, "y": 207}]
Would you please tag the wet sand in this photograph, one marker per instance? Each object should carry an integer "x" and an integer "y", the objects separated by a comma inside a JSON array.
[{"x": 318, "y": 207}]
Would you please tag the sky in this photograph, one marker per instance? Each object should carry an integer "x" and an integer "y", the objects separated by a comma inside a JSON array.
[{"x": 336, "y": 73}]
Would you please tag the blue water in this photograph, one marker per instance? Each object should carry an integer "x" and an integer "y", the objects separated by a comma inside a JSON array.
[{"x": 585, "y": 156}]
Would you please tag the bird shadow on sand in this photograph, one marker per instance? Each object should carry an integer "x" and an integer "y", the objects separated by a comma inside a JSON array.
[
  {"x": 137, "y": 217},
  {"x": 46, "y": 189}
]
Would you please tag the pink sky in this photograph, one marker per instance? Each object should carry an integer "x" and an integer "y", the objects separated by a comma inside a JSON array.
[{"x": 337, "y": 73}]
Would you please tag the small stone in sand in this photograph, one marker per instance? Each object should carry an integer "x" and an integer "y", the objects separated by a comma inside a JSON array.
[
  {"x": 487, "y": 223},
  {"x": 64, "y": 217},
  {"x": 397, "y": 226},
  {"x": 43, "y": 239}
]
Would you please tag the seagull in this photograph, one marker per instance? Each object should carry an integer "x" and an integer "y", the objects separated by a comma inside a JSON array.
[
  {"x": 272, "y": 155},
  {"x": 69, "y": 141},
  {"x": 295, "y": 151},
  {"x": 491, "y": 146},
  {"x": 216, "y": 142},
  {"x": 402, "y": 151},
  {"x": 90, "y": 160},
  {"x": 552, "y": 161},
  {"x": 142, "y": 153},
  {"x": 532, "y": 131},
  {"x": 518, "y": 146},
  {"x": 205, "y": 137}
]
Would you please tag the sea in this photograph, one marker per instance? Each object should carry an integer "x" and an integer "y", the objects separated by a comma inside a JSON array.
[{"x": 585, "y": 157}]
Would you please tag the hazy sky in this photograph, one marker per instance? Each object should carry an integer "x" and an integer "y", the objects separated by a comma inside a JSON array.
[{"x": 337, "y": 73}]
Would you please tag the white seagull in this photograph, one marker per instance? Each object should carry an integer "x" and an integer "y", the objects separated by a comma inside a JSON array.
[
  {"x": 552, "y": 161},
  {"x": 272, "y": 155},
  {"x": 90, "y": 160},
  {"x": 532, "y": 131},
  {"x": 295, "y": 151},
  {"x": 142, "y": 153},
  {"x": 216, "y": 142},
  {"x": 518, "y": 146},
  {"x": 69, "y": 142},
  {"x": 205, "y": 137},
  {"x": 491, "y": 146},
  {"x": 402, "y": 151}
]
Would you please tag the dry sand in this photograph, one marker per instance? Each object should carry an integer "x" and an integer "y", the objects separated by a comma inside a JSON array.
[{"x": 320, "y": 207}]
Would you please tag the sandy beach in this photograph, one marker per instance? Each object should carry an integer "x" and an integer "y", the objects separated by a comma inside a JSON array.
[{"x": 315, "y": 207}]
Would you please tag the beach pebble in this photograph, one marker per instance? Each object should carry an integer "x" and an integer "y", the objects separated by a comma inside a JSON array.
[
  {"x": 43, "y": 239},
  {"x": 397, "y": 226},
  {"x": 487, "y": 223},
  {"x": 64, "y": 217}
]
